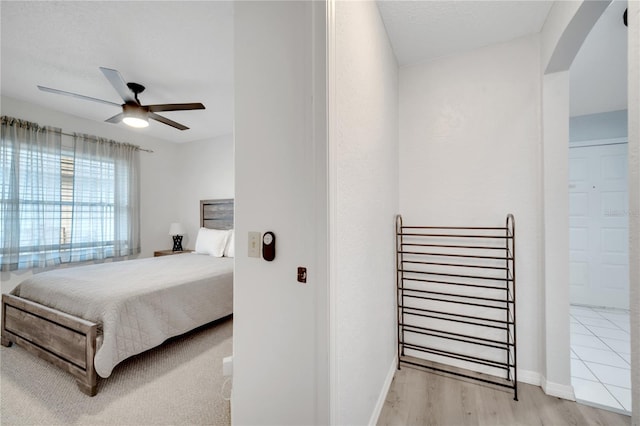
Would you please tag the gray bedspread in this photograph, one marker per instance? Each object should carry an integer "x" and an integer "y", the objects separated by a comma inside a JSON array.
[{"x": 138, "y": 303}]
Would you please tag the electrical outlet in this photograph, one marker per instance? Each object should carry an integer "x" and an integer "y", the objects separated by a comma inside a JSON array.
[
  {"x": 227, "y": 366},
  {"x": 254, "y": 244},
  {"x": 302, "y": 274}
]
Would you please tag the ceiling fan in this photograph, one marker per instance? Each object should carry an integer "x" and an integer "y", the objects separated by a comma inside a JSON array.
[{"x": 133, "y": 112}]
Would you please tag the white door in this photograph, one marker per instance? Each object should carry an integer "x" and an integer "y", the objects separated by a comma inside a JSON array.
[{"x": 599, "y": 225}]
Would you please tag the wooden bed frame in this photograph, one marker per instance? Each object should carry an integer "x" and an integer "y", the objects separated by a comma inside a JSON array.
[{"x": 67, "y": 341}]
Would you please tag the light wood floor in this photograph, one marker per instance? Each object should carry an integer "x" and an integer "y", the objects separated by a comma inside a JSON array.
[{"x": 417, "y": 398}]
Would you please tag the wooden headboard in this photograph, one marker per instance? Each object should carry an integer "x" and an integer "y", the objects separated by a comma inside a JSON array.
[{"x": 216, "y": 214}]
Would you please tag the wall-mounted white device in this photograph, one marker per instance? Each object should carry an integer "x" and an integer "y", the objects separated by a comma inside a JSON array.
[{"x": 227, "y": 366}]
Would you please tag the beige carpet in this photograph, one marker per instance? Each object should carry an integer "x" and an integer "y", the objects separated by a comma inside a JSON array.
[{"x": 179, "y": 383}]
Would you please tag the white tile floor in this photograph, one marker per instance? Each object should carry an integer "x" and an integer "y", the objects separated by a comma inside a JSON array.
[{"x": 600, "y": 357}]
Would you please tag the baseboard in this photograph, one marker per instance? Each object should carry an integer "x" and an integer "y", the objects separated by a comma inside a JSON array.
[
  {"x": 383, "y": 392},
  {"x": 529, "y": 377},
  {"x": 550, "y": 388},
  {"x": 557, "y": 390}
]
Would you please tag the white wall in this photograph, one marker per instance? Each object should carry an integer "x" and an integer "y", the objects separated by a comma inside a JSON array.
[
  {"x": 604, "y": 125},
  {"x": 555, "y": 364},
  {"x": 204, "y": 171},
  {"x": 280, "y": 146},
  {"x": 634, "y": 201},
  {"x": 364, "y": 170},
  {"x": 565, "y": 29},
  {"x": 558, "y": 19},
  {"x": 469, "y": 154}
]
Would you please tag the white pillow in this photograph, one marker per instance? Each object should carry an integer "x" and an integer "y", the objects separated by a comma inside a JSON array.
[
  {"x": 211, "y": 241},
  {"x": 230, "y": 250}
]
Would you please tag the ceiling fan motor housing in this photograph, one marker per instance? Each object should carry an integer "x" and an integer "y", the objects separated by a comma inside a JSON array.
[
  {"x": 136, "y": 88},
  {"x": 132, "y": 109}
]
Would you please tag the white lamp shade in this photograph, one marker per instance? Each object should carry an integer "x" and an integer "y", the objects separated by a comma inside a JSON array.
[
  {"x": 137, "y": 122},
  {"x": 176, "y": 229}
]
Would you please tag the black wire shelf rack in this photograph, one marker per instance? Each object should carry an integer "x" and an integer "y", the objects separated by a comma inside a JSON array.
[{"x": 456, "y": 301}]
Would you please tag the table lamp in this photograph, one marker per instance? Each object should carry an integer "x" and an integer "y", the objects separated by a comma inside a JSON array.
[{"x": 177, "y": 231}]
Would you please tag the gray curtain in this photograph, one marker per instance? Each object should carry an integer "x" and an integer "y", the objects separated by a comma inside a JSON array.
[
  {"x": 65, "y": 202},
  {"x": 106, "y": 208},
  {"x": 29, "y": 194}
]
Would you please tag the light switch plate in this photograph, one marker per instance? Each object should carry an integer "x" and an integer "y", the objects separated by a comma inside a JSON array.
[{"x": 254, "y": 244}]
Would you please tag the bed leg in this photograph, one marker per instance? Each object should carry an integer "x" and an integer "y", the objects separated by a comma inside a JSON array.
[
  {"x": 6, "y": 342},
  {"x": 86, "y": 388}
]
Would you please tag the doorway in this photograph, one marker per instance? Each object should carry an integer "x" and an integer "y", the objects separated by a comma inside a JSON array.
[
  {"x": 598, "y": 216},
  {"x": 599, "y": 274}
]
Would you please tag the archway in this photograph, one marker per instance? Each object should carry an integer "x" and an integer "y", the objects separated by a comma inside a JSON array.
[{"x": 566, "y": 29}]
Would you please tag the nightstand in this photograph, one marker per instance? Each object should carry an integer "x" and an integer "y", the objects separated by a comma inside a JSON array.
[{"x": 169, "y": 252}]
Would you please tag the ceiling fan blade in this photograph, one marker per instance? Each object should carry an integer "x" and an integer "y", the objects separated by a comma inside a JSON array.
[
  {"x": 167, "y": 121},
  {"x": 118, "y": 83},
  {"x": 174, "y": 107},
  {"x": 75, "y": 95},
  {"x": 115, "y": 119}
]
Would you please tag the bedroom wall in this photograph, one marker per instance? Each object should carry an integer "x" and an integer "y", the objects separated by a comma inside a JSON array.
[
  {"x": 206, "y": 172},
  {"x": 158, "y": 183},
  {"x": 364, "y": 169},
  {"x": 470, "y": 153},
  {"x": 280, "y": 325}
]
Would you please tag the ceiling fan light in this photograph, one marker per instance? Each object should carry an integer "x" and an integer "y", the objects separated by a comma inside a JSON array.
[
  {"x": 135, "y": 116},
  {"x": 137, "y": 122}
]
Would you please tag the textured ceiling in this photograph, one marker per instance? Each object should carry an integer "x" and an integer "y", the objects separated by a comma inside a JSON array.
[
  {"x": 423, "y": 30},
  {"x": 181, "y": 51}
]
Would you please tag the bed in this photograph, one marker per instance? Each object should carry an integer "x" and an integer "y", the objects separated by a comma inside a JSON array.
[{"x": 88, "y": 319}]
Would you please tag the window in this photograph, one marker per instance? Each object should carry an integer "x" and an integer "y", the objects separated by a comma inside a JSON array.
[
  {"x": 87, "y": 206},
  {"x": 65, "y": 199}
]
